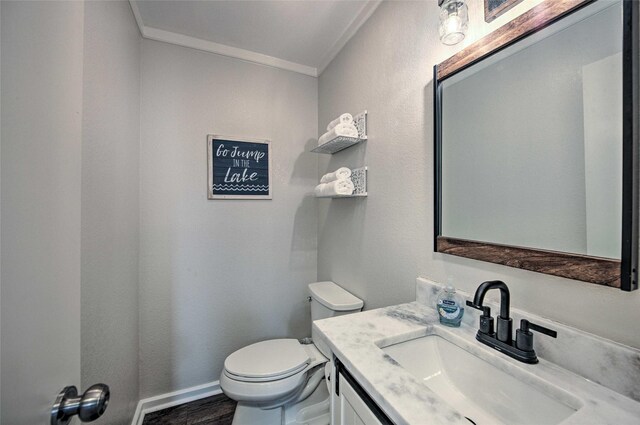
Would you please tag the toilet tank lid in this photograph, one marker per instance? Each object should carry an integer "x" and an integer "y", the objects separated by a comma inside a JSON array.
[{"x": 334, "y": 297}]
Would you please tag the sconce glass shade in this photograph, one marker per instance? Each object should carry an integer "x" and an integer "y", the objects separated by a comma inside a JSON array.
[{"x": 454, "y": 21}]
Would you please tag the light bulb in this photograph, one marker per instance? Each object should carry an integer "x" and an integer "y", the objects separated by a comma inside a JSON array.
[
  {"x": 454, "y": 21},
  {"x": 454, "y": 24}
]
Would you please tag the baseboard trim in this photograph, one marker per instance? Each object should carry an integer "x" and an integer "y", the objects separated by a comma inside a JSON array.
[{"x": 163, "y": 401}]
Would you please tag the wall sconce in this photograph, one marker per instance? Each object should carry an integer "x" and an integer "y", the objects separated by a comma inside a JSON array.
[{"x": 454, "y": 21}]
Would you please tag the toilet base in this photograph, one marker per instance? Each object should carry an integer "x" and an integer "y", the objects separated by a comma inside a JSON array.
[
  {"x": 252, "y": 415},
  {"x": 314, "y": 410}
]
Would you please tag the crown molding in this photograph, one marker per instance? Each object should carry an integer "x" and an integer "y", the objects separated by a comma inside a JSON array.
[
  {"x": 248, "y": 55},
  {"x": 224, "y": 50},
  {"x": 137, "y": 16},
  {"x": 217, "y": 48},
  {"x": 353, "y": 27}
]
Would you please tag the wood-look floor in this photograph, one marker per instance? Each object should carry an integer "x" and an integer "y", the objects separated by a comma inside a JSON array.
[{"x": 216, "y": 410}]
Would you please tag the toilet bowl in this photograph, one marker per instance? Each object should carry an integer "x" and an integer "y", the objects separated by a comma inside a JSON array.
[{"x": 282, "y": 381}]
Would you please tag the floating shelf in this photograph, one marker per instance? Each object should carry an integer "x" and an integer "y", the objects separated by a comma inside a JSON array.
[
  {"x": 359, "y": 179},
  {"x": 342, "y": 142}
]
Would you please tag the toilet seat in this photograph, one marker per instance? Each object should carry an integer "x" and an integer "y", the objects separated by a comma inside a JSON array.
[
  {"x": 261, "y": 392},
  {"x": 268, "y": 371},
  {"x": 265, "y": 379},
  {"x": 266, "y": 361}
]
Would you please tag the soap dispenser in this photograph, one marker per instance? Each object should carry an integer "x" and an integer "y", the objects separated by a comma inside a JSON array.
[{"x": 449, "y": 306}]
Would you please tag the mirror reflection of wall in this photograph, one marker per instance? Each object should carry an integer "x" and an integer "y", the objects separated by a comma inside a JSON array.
[
  {"x": 532, "y": 141},
  {"x": 603, "y": 155}
]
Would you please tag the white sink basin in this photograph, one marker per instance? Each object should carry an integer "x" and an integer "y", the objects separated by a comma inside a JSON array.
[{"x": 480, "y": 391}]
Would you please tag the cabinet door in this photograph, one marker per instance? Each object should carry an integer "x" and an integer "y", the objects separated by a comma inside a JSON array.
[{"x": 351, "y": 409}]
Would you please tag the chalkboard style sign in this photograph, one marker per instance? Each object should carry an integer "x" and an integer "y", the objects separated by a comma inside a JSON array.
[{"x": 238, "y": 168}]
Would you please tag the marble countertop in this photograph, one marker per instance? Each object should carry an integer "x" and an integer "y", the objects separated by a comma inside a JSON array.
[{"x": 357, "y": 340}]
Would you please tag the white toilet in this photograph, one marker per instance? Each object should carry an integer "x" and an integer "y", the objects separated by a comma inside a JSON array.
[{"x": 280, "y": 381}]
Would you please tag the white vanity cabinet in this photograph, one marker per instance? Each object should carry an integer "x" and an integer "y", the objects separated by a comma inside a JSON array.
[{"x": 350, "y": 403}]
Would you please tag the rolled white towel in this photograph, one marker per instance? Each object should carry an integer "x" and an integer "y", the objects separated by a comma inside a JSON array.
[
  {"x": 334, "y": 188},
  {"x": 341, "y": 173},
  {"x": 342, "y": 119},
  {"x": 345, "y": 130}
]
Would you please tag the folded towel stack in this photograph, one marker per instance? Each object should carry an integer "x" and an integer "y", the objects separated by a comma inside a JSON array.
[
  {"x": 341, "y": 126},
  {"x": 334, "y": 188},
  {"x": 336, "y": 183},
  {"x": 342, "y": 173},
  {"x": 344, "y": 130},
  {"x": 342, "y": 119}
]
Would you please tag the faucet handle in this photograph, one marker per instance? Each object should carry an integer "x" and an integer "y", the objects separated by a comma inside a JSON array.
[
  {"x": 486, "y": 321},
  {"x": 524, "y": 337},
  {"x": 525, "y": 325},
  {"x": 486, "y": 311}
]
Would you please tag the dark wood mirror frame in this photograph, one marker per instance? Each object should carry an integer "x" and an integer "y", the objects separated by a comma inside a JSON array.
[{"x": 602, "y": 271}]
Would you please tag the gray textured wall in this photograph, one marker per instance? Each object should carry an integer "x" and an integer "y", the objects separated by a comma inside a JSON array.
[
  {"x": 218, "y": 275},
  {"x": 375, "y": 247},
  {"x": 110, "y": 207}
]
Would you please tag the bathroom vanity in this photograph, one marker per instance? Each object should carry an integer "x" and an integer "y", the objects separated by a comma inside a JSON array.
[
  {"x": 350, "y": 402},
  {"x": 399, "y": 365}
]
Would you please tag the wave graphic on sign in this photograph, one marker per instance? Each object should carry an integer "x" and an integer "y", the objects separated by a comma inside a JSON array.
[{"x": 242, "y": 188}]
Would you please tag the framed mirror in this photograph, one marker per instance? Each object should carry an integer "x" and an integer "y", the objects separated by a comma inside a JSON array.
[{"x": 536, "y": 136}]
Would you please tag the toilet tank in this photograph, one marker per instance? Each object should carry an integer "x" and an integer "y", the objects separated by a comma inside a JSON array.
[{"x": 329, "y": 300}]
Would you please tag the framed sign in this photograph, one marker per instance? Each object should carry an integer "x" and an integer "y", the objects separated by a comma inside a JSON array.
[
  {"x": 495, "y": 8},
  {"x": 238, "y": 168}
]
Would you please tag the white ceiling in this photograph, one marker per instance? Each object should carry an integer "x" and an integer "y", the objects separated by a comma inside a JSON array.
[{"x": 301, "y": 36}]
